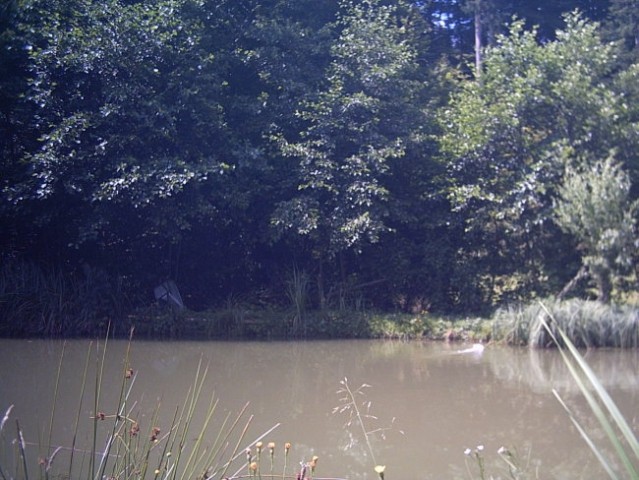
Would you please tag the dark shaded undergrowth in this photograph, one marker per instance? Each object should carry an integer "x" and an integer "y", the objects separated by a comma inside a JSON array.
[{"x": 35, "y": 303}]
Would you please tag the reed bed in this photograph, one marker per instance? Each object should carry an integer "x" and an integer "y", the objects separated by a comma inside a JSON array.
[
  {"x": 297, "y": 292},
  {"x": 587, "y": 323},
  {"x": 34, "y": 301}
]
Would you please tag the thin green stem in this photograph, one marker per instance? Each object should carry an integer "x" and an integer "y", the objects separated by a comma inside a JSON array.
[
  {"x": 23, "y": 454},
  {"x": 360, "y": 420},
  {"x": 78, "y": 415},
  {"x": 53, "y": 407}
]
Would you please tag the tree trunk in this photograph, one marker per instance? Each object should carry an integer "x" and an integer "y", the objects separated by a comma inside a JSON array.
[
  {"x": 604, "y": 285},
  {"x": 582, "y": 273},
  {"x": 478, "y": 38}
]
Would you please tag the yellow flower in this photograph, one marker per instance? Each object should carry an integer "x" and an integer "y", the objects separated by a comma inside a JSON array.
[
  {"x": 379, "y": 469},
  {"x": 287, "y": 447},
  {"x": 259, "y": 445}
]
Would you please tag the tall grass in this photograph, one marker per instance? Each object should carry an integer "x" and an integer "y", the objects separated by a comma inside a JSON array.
[
  {"x": 34, "y": 301},
  {"x": 119, "y": 447},
  {"x": 613, "y": 423},
  {"x": 586, "y": 323},
  {"x": 297, "y": 291}
]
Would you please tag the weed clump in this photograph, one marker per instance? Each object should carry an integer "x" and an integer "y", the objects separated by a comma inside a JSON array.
[{"x": 587, "y": 323}]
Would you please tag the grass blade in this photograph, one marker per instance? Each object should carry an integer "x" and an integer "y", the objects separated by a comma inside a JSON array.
[
  {"x": 23, "y": 455},
  {"x": 55, "y": 401},
  {"x": 585, "y": 377},
  {"x": 604, "y": 462},
  {"x": 78, "y": 415}
]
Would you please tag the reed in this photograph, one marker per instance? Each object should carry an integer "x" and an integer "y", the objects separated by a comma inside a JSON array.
[
  {"x": 51, "y": 303},
  {"x": 297, "y": 291},
  {"x": 587, "y": 323},
  {"x": 612, "y": 422},
  {"x": 119, "y": 448}
]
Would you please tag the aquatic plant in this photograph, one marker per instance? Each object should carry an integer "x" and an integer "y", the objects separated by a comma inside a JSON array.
[
  {"x": 587, "y": 323},
  {"x": 297, "y": 291},
  {"x": 34, "y": 301},
  {"x": 121, "y": 447},
  {"x": 611, "y": 420}
]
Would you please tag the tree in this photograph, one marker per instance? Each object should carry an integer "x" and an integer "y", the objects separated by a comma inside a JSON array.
[
  {"x": 622, "y": 25},
  {"x": 488, "y": 18},
  {"x": 594, "y": 205},
  {"x": 126, "y": 119},
  {"x": 501, "y": 135},
  {"x": 355, "y": 126}
]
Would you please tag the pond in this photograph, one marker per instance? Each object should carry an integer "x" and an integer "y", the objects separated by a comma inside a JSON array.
[{"x": 427, "y": 402}]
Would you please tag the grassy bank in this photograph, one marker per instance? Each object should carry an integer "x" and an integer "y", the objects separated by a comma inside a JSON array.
[
  {"x": 35, "y": 303},
  {"x": 257, "y": 322},
  {"x": 586, "y": 323}
]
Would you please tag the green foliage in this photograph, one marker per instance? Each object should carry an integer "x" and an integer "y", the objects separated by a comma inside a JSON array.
[
  {"x": 398, "y": 326},
  {"x": 126, "y": 116},
  {"x": 298, "y": 295},
  {"x": 594, "y": 206},
  {"x": 210, "y": 142},
  {"x": 622, "y": 26},
  {"x": 101, "y": 78},
  {"x": 501, "y": 134},
  {"x": 354, "y": 130}
]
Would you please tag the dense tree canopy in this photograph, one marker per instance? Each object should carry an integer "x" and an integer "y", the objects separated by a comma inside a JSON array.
[
  {"x": 502, "y": 136},
  {"x": 227, "y": 144}
]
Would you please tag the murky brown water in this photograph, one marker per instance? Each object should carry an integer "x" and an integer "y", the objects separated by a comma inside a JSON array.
[{"x": 441, "y": 402}]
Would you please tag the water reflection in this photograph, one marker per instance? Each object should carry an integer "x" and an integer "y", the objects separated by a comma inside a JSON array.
[
  {"x": 540, "y": 368},
  {"x": 442, "y": 401}
]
